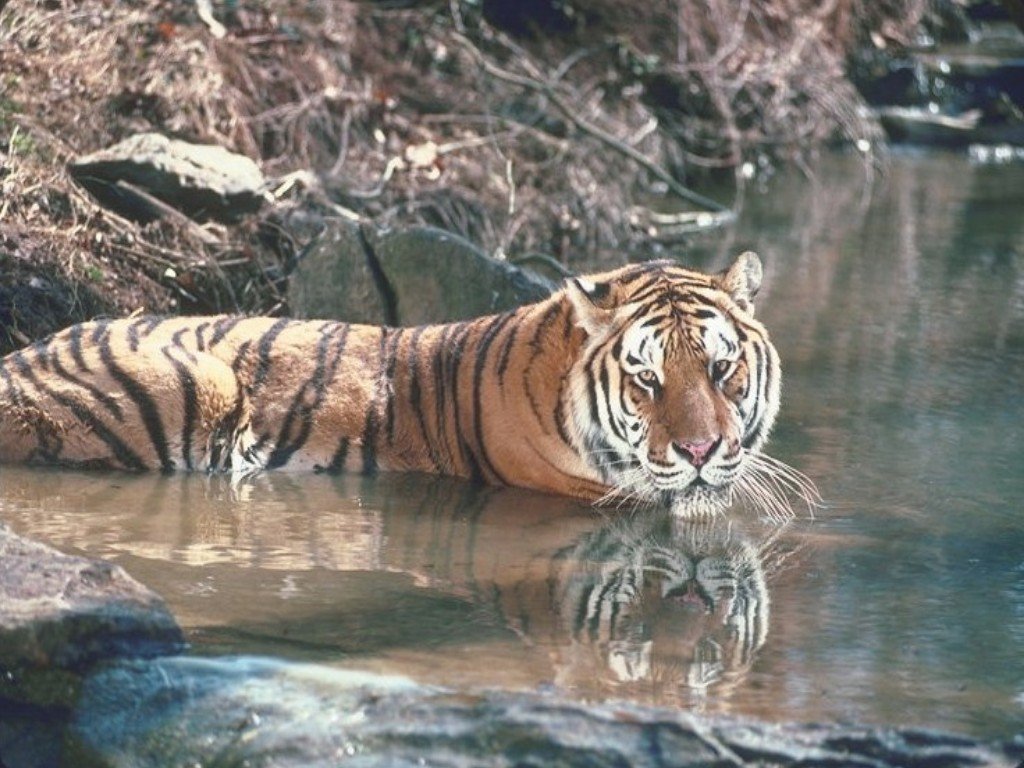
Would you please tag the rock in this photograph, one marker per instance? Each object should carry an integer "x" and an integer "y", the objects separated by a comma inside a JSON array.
[
  {"x": 60, "y": 614},
  {"x": 334, "y": 279},
  {"x": 436, "y": 276},
  {"x": 353, "y": 273},
  {"x": 956, "y": 94},
  {"x": 246, "y": 711},
  {"x": 201, "y": 180},
  {"x": 921, "y": 126}
]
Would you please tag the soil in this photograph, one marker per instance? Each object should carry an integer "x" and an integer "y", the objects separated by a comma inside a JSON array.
[{"x": 547, "y": 126}]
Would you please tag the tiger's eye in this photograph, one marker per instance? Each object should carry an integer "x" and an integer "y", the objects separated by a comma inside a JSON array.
[
  {"x": 720, "y": 369},
  {"x": 648, "y": 378}
]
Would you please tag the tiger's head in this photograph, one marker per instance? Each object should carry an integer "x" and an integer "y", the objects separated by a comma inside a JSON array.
[{"x": 677, "y": 385}]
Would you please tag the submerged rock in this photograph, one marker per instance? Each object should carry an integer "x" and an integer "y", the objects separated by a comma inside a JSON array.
[
  {"x": 247, "y": 711},
  {"x": 202, "y": 181}
]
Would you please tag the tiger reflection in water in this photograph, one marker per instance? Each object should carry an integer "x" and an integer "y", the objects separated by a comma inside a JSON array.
[{"x": 674, "y": 607}]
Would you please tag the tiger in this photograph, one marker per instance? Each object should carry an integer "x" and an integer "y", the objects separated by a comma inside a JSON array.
[{"x": 649, "y": 383}]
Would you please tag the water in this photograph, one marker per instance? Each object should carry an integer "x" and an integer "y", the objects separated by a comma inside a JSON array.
[{"x": 898, "y": 309}]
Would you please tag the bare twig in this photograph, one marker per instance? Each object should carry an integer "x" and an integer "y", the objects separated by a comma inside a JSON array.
[{"x": 598, "y": 133}]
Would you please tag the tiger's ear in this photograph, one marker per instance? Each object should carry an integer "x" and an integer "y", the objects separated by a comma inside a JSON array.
[
  {"x": 592, "y": 303},
  {"x": 743, "y": 280}
]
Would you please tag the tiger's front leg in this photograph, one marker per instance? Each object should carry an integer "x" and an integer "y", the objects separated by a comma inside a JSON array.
[{"x": 206, "y": 414}]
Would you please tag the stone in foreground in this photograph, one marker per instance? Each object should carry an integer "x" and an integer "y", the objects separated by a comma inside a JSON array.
[
  {"x": 250, "y": 711},
  {"x": 60, "y": 614}
]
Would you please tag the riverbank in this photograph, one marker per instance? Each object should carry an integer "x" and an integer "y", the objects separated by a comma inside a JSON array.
[{"x": 564, "y": 129}]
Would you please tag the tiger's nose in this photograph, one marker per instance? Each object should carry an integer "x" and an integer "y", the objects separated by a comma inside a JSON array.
[{"x": 697, "y": 451}]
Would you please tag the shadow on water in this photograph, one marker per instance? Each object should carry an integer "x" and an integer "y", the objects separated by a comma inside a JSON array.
[{"x": 898, "y": 309}]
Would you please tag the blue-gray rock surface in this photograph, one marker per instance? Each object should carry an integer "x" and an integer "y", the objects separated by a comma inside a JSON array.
[
  {"x": 59, "y": 616},
  {"x": 259, "y": 712}
]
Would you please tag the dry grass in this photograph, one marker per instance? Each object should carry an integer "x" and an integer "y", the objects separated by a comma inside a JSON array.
[{"x": 558, "y": 143}]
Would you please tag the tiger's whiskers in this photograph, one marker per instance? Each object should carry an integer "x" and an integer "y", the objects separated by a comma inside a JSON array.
[{"x": 769, "y": 484}]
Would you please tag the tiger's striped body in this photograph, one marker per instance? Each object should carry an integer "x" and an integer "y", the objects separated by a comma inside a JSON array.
[{"x": 523, "y": 398}]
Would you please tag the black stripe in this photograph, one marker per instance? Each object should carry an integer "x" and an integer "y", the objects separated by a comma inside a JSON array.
[
  {"x": 223, "y": 327},
  {"x": 100, "y": 328},
  {"x": 338, "y": 459},
  {"x": 240, "y": 355},
  {"x": 606, "y": 398},
  {"x": 189, "y": 405},
  {"x": 615, "y": 605},
  {"x": 102, "y": 397},
  {"x": 42, "y": 352},
  {"x": 481, "y": 358},
  {"x": 617, "y": 347},
  {"x": 592, "y": 397},
  {"x": 651, "y": 296},
  {"x": 753, "y": 432},
  {"x": 147, "y": 406},
  {"x": 370, "y": 426},
  {"x": 416, "y": 393},
  {"x": 438, "y": 362},
  {"x": 546, "y": 319},
  {"x": 150, "y": 323},
  {"x": 12, "y": 390},
  {"x": 227, "y": 432},
  {"x": 314, "y": 389},
  {"x": 455, "y": 358},
  {"x": 560, "y": 415},
  {"x": 75, "y": 337},
  {"x": 580, "y": 620},
  {"x": 390, "y": 354},
  {"x": 568, "y": 326},
  {"x": 536, "y": 349},
  {"x": 176, "y": 341},
  {"x": 506, "y": 353},
  {"x": 264, "y": 348},
  {"x": 369, "y": 430},
  {"x": 654, "y": 321},
  {"x": 649, "y": 269},
  {"x": 133, "y": 334},
  {"x": 200, "y": 341}
]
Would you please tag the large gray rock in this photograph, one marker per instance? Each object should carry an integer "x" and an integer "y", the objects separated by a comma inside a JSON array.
[
  {"x": 263, "y": 713},
  {"x": 334, "y": 279},
  {"x": 60, "y": 614},
  {"x": 437, "y": 276},
  {"x": 351, "y": 272},
  {"x": 202, "y": 181}
]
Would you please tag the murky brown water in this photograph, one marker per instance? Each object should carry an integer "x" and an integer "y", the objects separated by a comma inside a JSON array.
[{"x": 899, "y": 312}]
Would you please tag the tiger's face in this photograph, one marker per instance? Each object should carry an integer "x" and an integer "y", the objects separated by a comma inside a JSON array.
[{"x": 678, "y": 384}]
